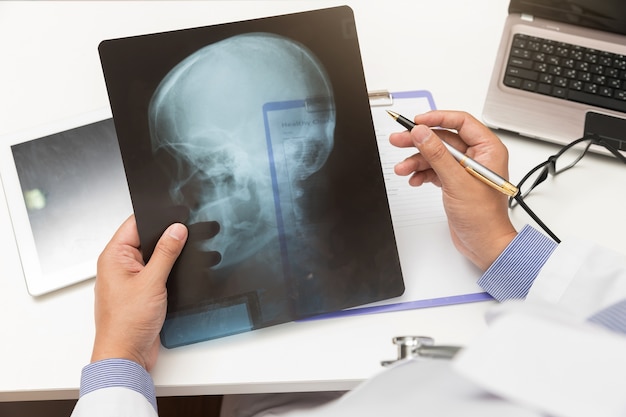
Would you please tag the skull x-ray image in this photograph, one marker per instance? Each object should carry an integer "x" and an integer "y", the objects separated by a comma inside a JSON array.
[
  {"x": 258, "y": 136},
  {"x": 216, "y": 149}
]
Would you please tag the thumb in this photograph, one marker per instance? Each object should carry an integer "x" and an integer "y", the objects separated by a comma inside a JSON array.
[
  {"x": 434, "y": 151},
  {"x": 167, "y": 250}
]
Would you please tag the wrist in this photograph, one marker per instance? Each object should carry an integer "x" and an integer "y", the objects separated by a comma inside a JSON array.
[
  {"x": 484, "y": 250},
  {"x": 112, "y": 350},
  {"x": 496, "y": 248},
  {"x": 98, "y": 356}
]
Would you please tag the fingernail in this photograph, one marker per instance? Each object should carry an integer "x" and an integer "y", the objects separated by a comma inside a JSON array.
[
  {"x": 421, "y": 134},
  {"x": 177, "y": 231}
]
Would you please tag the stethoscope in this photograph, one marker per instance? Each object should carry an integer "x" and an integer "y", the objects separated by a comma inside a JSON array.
[{"x": 411, "y": 347}]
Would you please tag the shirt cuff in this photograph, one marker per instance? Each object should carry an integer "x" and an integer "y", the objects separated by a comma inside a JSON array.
[
  {"x": 514, "y": 271},
  {"x": 123, "y": 373}
]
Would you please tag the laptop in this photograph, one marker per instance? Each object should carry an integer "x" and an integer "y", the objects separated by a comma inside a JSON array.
[{"x": 559, "y": 64}]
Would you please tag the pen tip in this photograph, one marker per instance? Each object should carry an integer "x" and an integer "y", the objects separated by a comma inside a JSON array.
[{"x": 393, "y": 114}]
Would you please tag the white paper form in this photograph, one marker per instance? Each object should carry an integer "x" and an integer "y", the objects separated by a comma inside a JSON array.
[
  {"x": 410, "y": 206},
  {"x": 419, "y": 222}
]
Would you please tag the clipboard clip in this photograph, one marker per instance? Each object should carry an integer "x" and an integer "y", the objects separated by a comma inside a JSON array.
[
  {"x": 380, "y": 98},
  {"x": 410, "y": 347}
]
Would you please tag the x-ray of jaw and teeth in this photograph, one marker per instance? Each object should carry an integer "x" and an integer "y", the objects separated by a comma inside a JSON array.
[{"x": 206, "y": 118}]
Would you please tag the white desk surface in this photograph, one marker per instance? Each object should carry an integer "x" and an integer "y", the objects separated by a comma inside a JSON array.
[{"x": 50, "y": 70}]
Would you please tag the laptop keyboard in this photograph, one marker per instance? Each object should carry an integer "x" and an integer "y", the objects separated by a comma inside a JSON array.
[{"x": 567, "y": 71}]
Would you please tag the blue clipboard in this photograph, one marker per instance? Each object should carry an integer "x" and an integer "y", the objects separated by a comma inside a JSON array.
[{"x": 410, "y": 103}]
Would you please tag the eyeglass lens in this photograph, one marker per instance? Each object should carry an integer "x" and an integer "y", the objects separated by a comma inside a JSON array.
[
  {"x": 570, "y": 155},
  {"x": 566, "y": 158}
]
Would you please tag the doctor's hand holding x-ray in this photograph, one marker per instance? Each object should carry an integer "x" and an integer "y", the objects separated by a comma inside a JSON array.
[
  {"x": 537, "y": 358},
  {"x": 131, "y": 298}
]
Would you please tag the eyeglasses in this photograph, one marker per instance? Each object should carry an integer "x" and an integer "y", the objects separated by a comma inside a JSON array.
[{"x": 560, "y": 162}]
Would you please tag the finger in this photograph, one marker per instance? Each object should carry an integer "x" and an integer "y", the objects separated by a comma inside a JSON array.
[
  {"x": 127, "y": 233},
  {"x": 414, "y": 163},
  {"x": 422, "y": 177},
  {"x": 471, "y": 130},
  {"x": 451, "y": 138},
  {"x": 166, "y": 252},
  {"x": 124, "y": 245},
  {"x": 433, "y": 150},
  {"x": 401, "y": 139},
  {"x": 199, "y": 259},
  {"x": 203, "y": 230},
  {"x": 404, "y": 139}
]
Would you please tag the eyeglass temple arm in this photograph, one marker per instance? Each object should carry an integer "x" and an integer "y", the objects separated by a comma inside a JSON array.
[{"x": 532, "y": 214}]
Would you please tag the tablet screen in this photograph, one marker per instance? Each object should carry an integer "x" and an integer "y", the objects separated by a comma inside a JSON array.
[{"x": 67, "y": 196}]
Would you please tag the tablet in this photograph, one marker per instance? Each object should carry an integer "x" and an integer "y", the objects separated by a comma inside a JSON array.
[
  {"x": 67, "y": 194},
  {"x": 262, "y": 127}
]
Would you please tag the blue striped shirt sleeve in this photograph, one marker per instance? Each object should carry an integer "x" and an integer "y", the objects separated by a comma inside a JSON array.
[
  {"x": 124, "y": 373},
  {"x": 612, "y": 317},
  {"x": 514, "y": 271}
]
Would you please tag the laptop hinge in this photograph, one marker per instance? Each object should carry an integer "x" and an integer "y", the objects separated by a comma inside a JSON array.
[{"x": 527, "y": 17}]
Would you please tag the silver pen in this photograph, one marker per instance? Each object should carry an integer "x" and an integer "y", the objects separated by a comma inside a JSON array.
[{"x": 477, "y": 170}]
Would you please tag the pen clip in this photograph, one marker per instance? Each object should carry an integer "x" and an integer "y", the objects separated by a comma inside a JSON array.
[{"x": 506, "y": 188}]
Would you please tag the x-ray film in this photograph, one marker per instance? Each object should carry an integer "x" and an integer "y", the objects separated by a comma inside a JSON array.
[{"x": 258, "y": 136}]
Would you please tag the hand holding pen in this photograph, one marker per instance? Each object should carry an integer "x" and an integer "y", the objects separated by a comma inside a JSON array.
[
  {"x": 477, "y": 214},
  {"x": 476, "y": 169}
]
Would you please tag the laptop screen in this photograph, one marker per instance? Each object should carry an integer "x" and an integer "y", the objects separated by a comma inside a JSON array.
[{"x": 607, "y": 15}]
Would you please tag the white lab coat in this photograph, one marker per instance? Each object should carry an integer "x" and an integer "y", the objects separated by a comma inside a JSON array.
[{"x": 538, "y": 358}]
